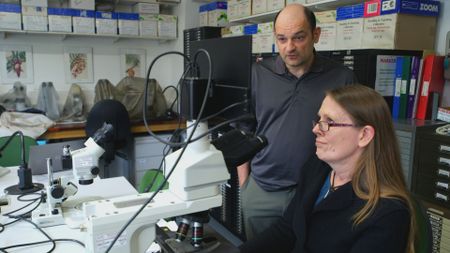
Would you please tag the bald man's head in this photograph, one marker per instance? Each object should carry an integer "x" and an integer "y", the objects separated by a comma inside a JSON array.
[{"x": 297, "y": 11}]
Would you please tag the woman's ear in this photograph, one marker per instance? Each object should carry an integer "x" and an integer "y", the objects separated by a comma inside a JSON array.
[{"x": 366, "y": 135}]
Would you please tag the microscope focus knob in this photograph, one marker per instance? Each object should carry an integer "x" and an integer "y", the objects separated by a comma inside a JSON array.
[
  {"x": 57, "y": 192},
  {"x": 95, "y": 171}
]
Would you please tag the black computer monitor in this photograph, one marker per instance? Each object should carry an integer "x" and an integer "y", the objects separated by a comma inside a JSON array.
[{"x": 231, "y": 75}]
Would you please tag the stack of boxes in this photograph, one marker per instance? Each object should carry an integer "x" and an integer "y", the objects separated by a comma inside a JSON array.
[
  {"x": 213, "y": 14},
  {"x": 10, "y": 17},
  {"x": 383, "y": 24},
  {"x": 83, "y": 18},
  {"x": 262, "y": 6},
  {"x": 148, "y": 18},
  {"x": 80, "y": 17},
  {"x": 239, "y": 9},
  {"x": 34, "y": 15}
]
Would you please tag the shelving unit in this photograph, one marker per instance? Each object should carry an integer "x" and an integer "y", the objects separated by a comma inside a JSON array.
[
  {"x": 5, "y": 34},
  {"x": 318, "y": 6}
]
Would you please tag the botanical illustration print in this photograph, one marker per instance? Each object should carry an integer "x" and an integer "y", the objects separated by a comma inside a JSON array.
[
  {"x": 78, "y": 63},
  {"x": 133, "y": 64},
  {"x": 16, "y": 62}
]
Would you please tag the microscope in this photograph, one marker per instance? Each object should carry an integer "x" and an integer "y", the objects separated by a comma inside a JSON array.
[{"x": 84, "y": 170}]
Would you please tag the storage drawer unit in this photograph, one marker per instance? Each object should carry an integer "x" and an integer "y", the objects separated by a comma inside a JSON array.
[
  {"x": 431, "y": 179},
  {"x": 148, "y": 154}
]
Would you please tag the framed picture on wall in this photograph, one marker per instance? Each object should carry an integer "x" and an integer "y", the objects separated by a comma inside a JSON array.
[
  {"x": 78, "y": 65},
  {"x": 132, "y": 62},
  {"x": 16, "y": 64}
]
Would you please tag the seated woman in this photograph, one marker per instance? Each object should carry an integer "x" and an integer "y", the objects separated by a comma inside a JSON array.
[{"x": 351, "y": 196}]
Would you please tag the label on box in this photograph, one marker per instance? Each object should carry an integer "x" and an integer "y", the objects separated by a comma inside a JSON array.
[
  {"x": 259, "y": 6},
  {"x": 203, "y": 19},
  {"x": 372, "y": 8},
  {"x": 416, "y": 7},
  {"x": 233, "y": 11},
  {"x": 250, "y": 29},
  {"x": 167, "y": 26},
  {"x": 217, "y": 17},
  {"x": 57, "y": 23},
  {"x": 128, "y": 27},
  {"x": 83, "y": 25},
  {"x": 106, "y": 26},
  {"x": 15, "y": 8},
  {"x": 295, "y": 1},
  {"x": 10, "y": 20},
  {"x": 265, "y": 42},
  {"x": 148, "y": 25},
  {"x": 245, "y": 8},
  {"x": 237, "y": 29},
  {"x": 379, "y": 32},
  {"x": 34, "y": 23},
  {"x": 351, "y": 11},
  {"x": 327, "y": 40},
  {"x": 349, "y": 33},
  {"x": 34, "y": 11},
  {"x": 325, "y": 16},
  {"x": 265, "y": 27}
]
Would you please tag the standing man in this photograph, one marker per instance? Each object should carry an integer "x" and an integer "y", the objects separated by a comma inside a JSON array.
[{"x": 287, "y": 91}]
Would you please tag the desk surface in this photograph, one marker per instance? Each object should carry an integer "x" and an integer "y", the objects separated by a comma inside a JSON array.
[
  {"x": 24, "y": 232},
  {"x": 76, "y": 130}
]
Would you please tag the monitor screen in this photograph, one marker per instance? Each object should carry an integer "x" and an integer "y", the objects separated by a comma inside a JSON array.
[{"x": 231, "y": 60}]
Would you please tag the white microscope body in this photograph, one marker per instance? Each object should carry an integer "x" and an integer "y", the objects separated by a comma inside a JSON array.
[
  {"x": 193, "y": 187},
  {"x": 85, "y": 169}
]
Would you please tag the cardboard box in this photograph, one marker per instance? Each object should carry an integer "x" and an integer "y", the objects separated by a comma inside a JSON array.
[
  {"x": 265, "y": 27},
  {"x": 34, "y": 18},
  {"x": 251, "y": 29},
  {"x": 82, "y": 4},
  {"x": 203, "y": 15},
  {"x": 167, "y": 26},
  {"x": 325, "y": 16},
  {"x": 399, "y": 31},
  {"x": 83, "y": 21},
  {"x": 36, "y": 3},
  {"x": 237, "y": 30},
  {"x": 295, "y": 1},
  {"x": 350, "y": 11},
  {"x": 128, "y": 23},
  {"x": 259, "y": 6},
  {"x": 105, "y": 22},
  {"x": 416, "y": 7},
  {"x": 59, "y": 20},
  {"x": 349, "y": 33},
  {"x": 328, "y": 37},
  {"x": 148, "y": 8},
  {"x": 217, "y": 14},
  {"x": 263, "y": 43},
  {"x": 244, "y": 8},
  {"x": 148, "y": 25},
  {"x": 10, "y": 17},
  {"x": 273, "y": 5}
]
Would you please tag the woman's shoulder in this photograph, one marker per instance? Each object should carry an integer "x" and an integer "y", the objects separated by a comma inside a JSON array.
[{"x": 389, "y": 206}]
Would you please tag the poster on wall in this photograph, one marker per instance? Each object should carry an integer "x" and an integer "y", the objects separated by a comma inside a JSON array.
[
  {"x": 78, "y": 65},
  {"x": 132, "y": 62},
  {"x": 16, "y": 63}
]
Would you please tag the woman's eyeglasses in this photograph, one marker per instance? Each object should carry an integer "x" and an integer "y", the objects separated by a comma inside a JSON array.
[{"x": 324, "y": 126}]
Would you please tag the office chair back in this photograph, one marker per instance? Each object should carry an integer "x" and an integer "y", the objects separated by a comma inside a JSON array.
[{"x": 11, "y": 155}]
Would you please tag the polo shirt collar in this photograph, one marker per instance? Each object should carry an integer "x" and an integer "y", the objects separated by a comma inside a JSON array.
[{"x": 317, "y": 65}]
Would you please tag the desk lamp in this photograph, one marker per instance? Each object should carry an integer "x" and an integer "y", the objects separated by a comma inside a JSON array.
[{"x": 25, "y": 184}]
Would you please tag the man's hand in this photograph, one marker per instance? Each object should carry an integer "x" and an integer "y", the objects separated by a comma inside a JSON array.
[{"x": 243, "y": 172}]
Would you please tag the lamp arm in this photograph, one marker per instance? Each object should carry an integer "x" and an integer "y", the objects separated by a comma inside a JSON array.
[{"x": 22, "y": 141}]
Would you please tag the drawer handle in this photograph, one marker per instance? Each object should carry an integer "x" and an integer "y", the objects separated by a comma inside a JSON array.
[
  {"x": 444, "y": 148},
  {"x": 442, "y": 185},
  {"x": 440, "y": 196},
  {"x": 445, "y": 161},
  {"x": 444, "y": 173}
]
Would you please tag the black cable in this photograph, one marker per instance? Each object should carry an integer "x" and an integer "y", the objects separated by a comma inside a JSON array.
[
  {"x": 3, "y": 249},
  {"x": 176, "y": 95},
  {"x": 25, "y": 206},
  {"x": 196, "y": 123}
]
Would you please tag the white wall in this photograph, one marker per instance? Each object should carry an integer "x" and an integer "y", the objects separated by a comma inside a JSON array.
[{"x": 48, "y": 56}]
